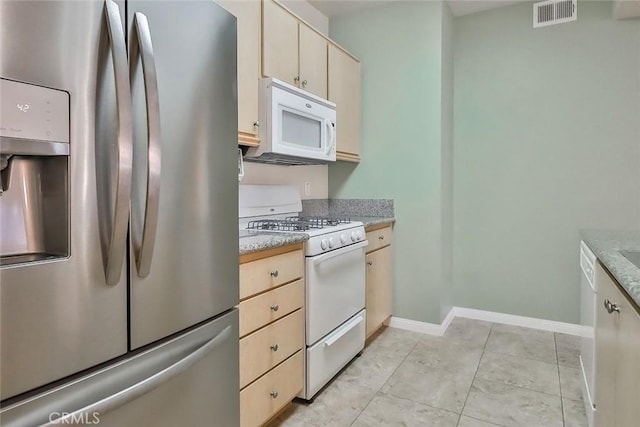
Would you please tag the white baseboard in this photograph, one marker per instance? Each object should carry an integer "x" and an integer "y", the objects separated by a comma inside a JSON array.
[
  {"x": 489, "y": 316},
  {"x": 422, "y": 327},
  {"x": 513, "y": 320}
]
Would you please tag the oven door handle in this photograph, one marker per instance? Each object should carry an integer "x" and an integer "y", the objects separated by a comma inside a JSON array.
[
  {"x": 325, "y": 257},
  {"x": 344, "y": 330}
]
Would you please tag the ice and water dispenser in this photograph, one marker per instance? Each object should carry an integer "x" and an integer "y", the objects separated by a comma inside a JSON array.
[{"x": 34, "y": 173}]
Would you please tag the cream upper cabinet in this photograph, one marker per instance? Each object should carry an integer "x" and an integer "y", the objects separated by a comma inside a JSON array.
[
  {"x": 313, "y": 61},
  {"x": 292, "y": 51},
  {"x": 617, "y": 354},
  {"x": 249, "y": 24},
  {"x": 345, "y": 90},
  {"x": 279, "y": 43}
]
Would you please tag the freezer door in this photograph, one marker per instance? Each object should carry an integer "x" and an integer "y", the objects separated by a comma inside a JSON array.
[
  {"x": 191, "y": 381},
  {"x": 187, "y": 271},
  {"x": 61, "y": 316}
]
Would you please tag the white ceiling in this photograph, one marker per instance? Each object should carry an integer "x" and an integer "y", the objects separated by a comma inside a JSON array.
[{"x": 458, "y": 7}]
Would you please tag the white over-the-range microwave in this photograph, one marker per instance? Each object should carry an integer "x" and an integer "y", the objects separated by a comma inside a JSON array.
[{"x": 296, "y": 127}]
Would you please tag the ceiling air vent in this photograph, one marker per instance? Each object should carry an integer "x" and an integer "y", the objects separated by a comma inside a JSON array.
[{"x": 554, "y": 12}]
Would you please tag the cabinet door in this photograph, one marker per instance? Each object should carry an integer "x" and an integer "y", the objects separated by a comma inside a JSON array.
[
  {"x": 606, "y": 350},
  {"x": 313, "y": 61},
  {"x": 249, "y": 24},
  {"x": 627, "y": 408},
  {"x": 344, "y": 89},
  {"x": 379, "y": 293},
  {"x": 279, "y": 43}
]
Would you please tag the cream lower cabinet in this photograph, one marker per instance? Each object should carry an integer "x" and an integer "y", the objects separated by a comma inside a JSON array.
[
  {"x": 617, "y": 356},
  {"x": 379, "y": 293},
  {"x": 249, "y": 22},
  {"x": 271, "y": 332}
]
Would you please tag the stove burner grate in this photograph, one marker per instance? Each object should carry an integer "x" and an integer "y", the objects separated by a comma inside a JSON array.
[{"x": 295, "y": 223}]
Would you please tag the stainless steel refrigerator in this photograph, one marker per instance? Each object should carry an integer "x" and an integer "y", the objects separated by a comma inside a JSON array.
[{"x": 118, "y": 212}]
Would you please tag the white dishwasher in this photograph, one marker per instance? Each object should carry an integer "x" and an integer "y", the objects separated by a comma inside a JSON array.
[{"x": 588, "y": 293}]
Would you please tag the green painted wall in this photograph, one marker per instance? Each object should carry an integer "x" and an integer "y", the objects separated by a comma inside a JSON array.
[
  {"x": 446, "y": 191},
  {"x": 547, "y": 141},
  {"x": 400, "y": 46}
]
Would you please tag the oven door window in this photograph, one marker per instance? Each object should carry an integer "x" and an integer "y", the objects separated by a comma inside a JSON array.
[{"x": 301, "y": 130}]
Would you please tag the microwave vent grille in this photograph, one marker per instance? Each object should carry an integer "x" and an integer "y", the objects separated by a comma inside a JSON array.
[{"x": 282, "y": 159}]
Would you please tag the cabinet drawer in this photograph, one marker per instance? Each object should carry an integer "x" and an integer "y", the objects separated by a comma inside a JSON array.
[
  {"x": 264, "y": 274},
  {"x": 272, "y": 392},
  {"x": 265, "y": 308},
  {"x": 269, "y": 346},
  {"x": 378, "y": 238}
]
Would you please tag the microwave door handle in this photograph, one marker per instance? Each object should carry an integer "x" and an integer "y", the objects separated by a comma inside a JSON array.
[
  {"x": 144, "y": 235},
  {"x": 331, "y": 136}
]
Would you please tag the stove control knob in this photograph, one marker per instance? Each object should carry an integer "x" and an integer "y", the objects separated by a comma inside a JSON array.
[
  {"x": 332, "y": 242},
  {"x": 343, "y": 239},
  {"x": 359, "y": 235},
  {"x": 323, "y": 244},
  {"x": 354, "y": 236}
]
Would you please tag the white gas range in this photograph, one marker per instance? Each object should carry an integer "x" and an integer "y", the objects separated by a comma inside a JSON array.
[{"x": 335, "y": 317}]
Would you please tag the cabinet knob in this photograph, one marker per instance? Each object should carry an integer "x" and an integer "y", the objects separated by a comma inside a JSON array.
[
  {"x": 296, "y": 79},
  {"x": 274, "y": 347},
  {"x": 274, "y": 394},
  {"x": 380, "y": 237},
  {"x": 275, "y": 307},
  {"x": 611, "y": 307},
  {"x": 304, "y": 83},
  {"x": 369, "y": 262},
  {"x": 274, "y": 273},
  {"x": 256, "y": 124}
]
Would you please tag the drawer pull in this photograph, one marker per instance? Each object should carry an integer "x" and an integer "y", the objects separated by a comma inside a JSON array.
[
  {"x": 369, "y": 263},
  {"x": 275, "y": 307},
  {"x": 274, "y": 347},
  {"x": 274, "y": 273},
  {"x": 611, "y": 307},
  {"x": 342, "y": 332},
  {"x": 380, "y": 237},
  {"x": 274, "y": 394}
]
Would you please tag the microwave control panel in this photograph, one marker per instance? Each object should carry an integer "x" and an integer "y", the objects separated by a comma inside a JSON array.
[{"x": 33, "y": 112}]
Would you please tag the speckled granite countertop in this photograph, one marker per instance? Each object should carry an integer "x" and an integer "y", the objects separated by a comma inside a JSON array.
[
  {"x": 371, "y": 212},
  {"x": 606, "y": 245},
  {"x": 256, "y": 241},
  {"x": 370, "y": 221}
]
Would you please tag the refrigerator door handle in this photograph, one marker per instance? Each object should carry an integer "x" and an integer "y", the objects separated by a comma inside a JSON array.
[
  {"x": 144, "y": 235},
  {"x": 122, "y": 397},
  {"x": 118, "y": 240}
]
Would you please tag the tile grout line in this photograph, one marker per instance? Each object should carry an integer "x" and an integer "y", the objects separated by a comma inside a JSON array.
[
  {"x": 520, "y": 387},
  {"x": 385, "y": 383},
  {"x": 518, "y": 356},
  {"x": 484, "y": 348},
  {"x": 555, "y": 344}
]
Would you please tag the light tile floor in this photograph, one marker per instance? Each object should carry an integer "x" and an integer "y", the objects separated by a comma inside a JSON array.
[{"x": 479, "y": 374}]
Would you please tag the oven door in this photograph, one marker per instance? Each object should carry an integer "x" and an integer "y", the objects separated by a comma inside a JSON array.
[
  {"x": 301, "y": 127},
  {"x": 335, "y": 289}
]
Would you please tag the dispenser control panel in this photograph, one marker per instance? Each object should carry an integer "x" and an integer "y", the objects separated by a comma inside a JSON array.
[{"x": 33, "y": 112}]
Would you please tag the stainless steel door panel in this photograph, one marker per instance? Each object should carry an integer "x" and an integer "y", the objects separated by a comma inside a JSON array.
[
  {"x": 61, "y": 317},
  {"x": 192, "y": 380},
  {"x": 194, "y": 269}
]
